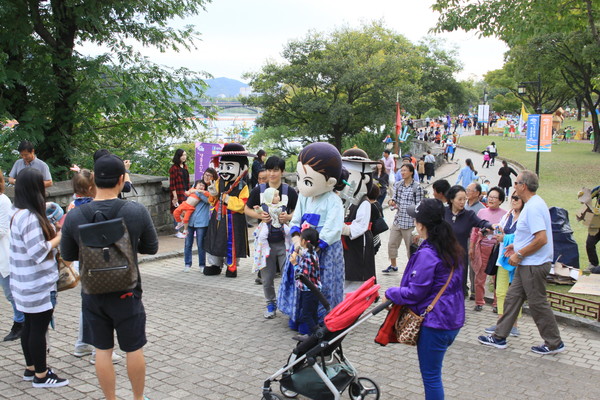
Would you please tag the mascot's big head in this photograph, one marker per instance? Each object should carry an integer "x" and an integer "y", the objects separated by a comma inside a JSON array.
[
  {"x": 319, "y": 168},
  {"x": 233, "y": 161},
  {"x": 360, "y": 170}
]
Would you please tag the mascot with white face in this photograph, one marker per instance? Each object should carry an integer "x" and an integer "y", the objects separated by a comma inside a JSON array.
[
  {"x": 227, "y": 235},
  {"x": 319, "y": 168},
  {"x": 359, "y": 253}
]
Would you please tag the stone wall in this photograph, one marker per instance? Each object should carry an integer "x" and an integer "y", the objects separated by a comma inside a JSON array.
[{"x": 151, "y": 191}]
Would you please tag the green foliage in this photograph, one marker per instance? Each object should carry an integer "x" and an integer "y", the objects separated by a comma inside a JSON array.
[
  {"x": 337, "y": 85},
  {"x": 433, "y": 113},
  {"x": 69, "y": 105},
  {"x": 371, "y": 143},
  {"x": 506, "y": 103}
]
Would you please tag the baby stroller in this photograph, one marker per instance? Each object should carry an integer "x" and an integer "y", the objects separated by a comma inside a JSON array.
[{"x": 317, "y": 367}]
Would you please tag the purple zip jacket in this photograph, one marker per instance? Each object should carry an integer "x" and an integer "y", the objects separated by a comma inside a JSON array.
[{"x": 423, "y": 278}]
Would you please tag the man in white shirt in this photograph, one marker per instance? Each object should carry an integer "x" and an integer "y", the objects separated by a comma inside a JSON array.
[{"x": 531, "y": 254}]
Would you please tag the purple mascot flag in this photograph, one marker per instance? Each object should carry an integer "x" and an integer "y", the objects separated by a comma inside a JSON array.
[{"x": 204, "y": 152}]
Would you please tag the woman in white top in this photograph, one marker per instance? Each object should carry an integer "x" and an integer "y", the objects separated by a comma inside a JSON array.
[
  {"x": 33, "y": 274},
  {"x": 493, "y": 152},
  {"x": 5, "y": 215}
]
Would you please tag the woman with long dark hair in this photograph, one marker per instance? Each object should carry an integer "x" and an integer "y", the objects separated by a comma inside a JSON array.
[
  {"x": 467, "y": 174},
  {"x": 438, "y": 260},
  {"x": 381, "y": 178},
  {"x": 179, "y": 182},
  {"x": 257, "y": 165},
  {"x": 33, "y": 274}
]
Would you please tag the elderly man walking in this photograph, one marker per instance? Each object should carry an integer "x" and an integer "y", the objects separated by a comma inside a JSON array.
[{"x": 531, "y": 254}]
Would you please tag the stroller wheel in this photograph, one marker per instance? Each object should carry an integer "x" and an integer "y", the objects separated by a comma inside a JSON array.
[
  {"x": 272, "y": 396},
  {"x": 363, "y": 388},
  {"x": 287, "y": 393}
]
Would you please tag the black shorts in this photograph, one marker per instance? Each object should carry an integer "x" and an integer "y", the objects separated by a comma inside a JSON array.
[{"x": 105, "y": 313}]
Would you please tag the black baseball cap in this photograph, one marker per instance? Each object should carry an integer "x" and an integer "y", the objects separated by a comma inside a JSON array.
[
  {"x": 428, "y": 211},
  {"x": 108, "y": 167}
]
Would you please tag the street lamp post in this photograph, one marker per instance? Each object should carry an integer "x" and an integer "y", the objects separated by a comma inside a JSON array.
[{"x": 521, "y": 90}]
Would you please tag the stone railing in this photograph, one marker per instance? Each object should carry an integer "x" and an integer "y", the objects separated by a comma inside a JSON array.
[{"x": 151, "y": 191}]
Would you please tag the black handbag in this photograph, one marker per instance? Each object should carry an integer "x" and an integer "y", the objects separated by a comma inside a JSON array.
[
  {"x": 379, "y": 226},
  {"x": 491, "y": 268}
]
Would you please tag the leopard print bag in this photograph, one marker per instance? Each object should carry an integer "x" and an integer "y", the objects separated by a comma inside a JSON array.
[{"x": 408, "y": 325}]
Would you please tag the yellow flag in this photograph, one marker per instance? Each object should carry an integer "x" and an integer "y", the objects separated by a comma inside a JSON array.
[{"x": 524, "y": 114}]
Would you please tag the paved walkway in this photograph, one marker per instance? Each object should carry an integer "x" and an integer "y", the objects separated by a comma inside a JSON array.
[{"x": 209, "y": 340}]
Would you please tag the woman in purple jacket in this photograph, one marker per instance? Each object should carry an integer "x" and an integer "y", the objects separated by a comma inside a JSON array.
[{"x": 426, "y": 273}]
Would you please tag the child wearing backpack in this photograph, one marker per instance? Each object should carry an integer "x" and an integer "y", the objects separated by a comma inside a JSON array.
[{"x": 306, "y": 262}]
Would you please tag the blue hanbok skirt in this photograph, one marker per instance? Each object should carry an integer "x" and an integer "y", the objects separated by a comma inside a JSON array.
[{"x": 331, "y": 265}]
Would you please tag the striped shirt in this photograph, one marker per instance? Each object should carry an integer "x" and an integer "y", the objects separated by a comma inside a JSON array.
[{"x": 33, "y": 268}]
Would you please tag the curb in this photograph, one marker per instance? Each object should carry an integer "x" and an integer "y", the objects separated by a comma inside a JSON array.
[{"x": 572, "y": 320}]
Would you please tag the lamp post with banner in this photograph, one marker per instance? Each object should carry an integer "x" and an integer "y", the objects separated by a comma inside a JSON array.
[{"x": 522, "y": 90}]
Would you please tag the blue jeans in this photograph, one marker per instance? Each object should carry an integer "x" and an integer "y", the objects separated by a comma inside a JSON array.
[
  {"x": 189, "y": 243},
  {"x": 431, "y": 348},
  {"x": 18, "y": 316},
  {"x": 309, "y": 304}
]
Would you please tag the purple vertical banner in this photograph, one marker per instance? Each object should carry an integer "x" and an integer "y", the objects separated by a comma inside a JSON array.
[{"x": 204, "y": 152}]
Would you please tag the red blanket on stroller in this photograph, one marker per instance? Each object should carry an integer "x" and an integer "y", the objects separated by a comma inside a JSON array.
[{"x": 355, "y": 303}]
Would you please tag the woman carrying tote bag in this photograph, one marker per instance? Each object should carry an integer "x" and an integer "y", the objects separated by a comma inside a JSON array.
[{"x": 427, "y": 271}]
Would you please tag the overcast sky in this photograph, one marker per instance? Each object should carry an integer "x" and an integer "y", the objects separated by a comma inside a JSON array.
[{"x": 239, "y": 35}]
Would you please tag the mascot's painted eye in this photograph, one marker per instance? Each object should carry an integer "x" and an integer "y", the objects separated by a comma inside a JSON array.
[{"x": 308, "y": 182}]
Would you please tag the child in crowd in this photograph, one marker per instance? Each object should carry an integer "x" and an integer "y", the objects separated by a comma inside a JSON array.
[
  {"x": 272, "y": 205},
  {"x": 272, "y": 199},
  {"x": 486, "y": 159},
  {"x": 485, "y": 186},
  {"x": 306, "y": 262},
  {"x": 185, "y": 210}
]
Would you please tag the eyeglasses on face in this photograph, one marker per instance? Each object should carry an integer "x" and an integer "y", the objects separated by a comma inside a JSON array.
[
  {"x": 493, "y": 197},
  {"x": 515, "y": 198},
  {"x": 519, "y": 183}
]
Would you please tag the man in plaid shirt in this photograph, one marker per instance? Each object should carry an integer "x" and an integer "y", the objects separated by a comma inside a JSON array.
[{"x": 406, "y": 193}]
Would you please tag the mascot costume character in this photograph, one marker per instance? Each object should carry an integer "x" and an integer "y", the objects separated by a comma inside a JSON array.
[
  {"x": 227, "y": 235},
  {"x": 319, "y": 168},
  {"x": 357, "y": 238}
]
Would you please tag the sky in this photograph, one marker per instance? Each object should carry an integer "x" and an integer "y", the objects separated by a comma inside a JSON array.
[{"x": 239, "y": 36}]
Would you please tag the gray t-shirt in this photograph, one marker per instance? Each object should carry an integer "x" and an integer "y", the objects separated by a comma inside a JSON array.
[
  {"x": 475, "y": 207},
  {"x": 137, "y": 219},
  {"x": 38, "y": 164}
]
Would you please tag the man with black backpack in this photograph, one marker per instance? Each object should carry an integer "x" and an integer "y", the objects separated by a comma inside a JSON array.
[
  {"x": 112, "y": 289},
  {"x": 275, "y": 167}
]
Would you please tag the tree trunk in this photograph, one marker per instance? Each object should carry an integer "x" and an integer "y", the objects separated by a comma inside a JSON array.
[
  {"x": 595, "y": 123},
  {"x": 579, "y": 105}
]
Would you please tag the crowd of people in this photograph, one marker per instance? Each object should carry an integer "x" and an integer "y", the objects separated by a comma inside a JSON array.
[{"x": 322, "y": 229}]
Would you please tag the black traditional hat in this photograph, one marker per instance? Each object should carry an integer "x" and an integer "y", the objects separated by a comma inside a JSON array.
[
  {"x": 357, "y": 155},
  {"x": 233, "y": 150}
]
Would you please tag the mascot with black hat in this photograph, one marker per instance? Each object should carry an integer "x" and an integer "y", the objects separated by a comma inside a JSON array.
[
  {"x": 227, "y": 236},
  {"x": 357, "y": 238}
]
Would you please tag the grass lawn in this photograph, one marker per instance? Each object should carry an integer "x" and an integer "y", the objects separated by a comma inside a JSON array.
[{"x": 563, "y": 172}]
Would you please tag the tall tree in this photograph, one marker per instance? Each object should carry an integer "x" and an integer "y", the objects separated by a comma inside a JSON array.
[
  {"x": 565, "y": 27},
  {"x": 339, "y": 84},
  {"x": 68, "y": 104}
]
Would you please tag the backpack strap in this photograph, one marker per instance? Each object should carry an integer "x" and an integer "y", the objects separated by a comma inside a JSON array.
[{"x": 90, "y": 215}]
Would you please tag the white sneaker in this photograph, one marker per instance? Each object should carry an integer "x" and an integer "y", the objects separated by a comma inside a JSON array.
[
  {"x": 83, "y": 350},
  {"x": 180, "y": 235},
  {"x": 186, "y": 268},
  {"x": 115, "y": 358}
]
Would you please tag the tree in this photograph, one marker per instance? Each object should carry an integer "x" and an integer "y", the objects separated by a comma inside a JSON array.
[
  {"x": 69, "y": 104},
  {"x": 563, "y": 30},
  {"x": 437, "y": 86},
  {"x": 337, "y": 85}
]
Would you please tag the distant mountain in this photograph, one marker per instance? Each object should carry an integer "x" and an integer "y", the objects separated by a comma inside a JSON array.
[{"x": 224, "y": 87}]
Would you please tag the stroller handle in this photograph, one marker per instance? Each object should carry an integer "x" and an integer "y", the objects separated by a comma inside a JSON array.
[
  {"x": 315, "y": 290},
  {"x": 382, "y": 307}
]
